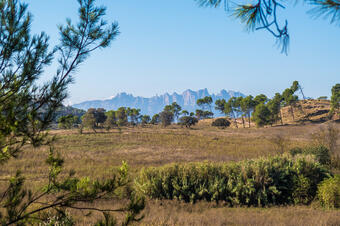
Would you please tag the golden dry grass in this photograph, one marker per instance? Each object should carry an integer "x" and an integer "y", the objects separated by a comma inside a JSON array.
[{"x": 95, "y": 155}]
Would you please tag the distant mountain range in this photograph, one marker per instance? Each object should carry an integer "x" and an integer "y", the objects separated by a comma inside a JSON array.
[{"x": 156, "y": 104}]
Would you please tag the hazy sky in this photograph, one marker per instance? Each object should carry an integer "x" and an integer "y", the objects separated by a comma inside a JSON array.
[{"x": 168, "y": 46}]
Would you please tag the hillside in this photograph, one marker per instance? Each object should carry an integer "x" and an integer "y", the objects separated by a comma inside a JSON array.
[{"x": 305, "y": 111}]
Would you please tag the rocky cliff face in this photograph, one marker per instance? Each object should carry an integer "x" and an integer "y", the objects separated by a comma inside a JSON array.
[{"x": 156, "y": 104}]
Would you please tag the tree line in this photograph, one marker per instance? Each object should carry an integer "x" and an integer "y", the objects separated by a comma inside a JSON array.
[{"x": 259, "y": 109}]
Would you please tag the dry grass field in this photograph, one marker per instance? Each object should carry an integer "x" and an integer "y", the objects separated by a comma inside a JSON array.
[{"x": 95, "y": 155}]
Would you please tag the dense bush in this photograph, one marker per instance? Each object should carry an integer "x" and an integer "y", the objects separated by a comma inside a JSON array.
[
  {"x": 221, "y": 123},
  {"x": 188, "y": 121},
  {"x": 329, "y": 192},
  {"x": 277, "y": 180},
  {"x": 320, "y": 152}
]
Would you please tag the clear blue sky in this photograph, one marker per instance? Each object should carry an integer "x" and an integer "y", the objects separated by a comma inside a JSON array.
[{"x": 173, "y": 45}]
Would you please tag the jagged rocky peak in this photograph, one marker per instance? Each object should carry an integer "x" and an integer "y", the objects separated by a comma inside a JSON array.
[{"x": 156, "y": 103}]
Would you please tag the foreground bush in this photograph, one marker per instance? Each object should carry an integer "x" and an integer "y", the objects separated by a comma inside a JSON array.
[
  {"x": 329, "y": 192},
  {"x": 262, "y": 182}
]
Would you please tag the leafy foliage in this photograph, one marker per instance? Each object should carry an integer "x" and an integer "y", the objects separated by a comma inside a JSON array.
[
  {"x": 28, "y": 109},
  {"x": 274, "y": 181},
  {"x": 221, "y": 123},
  {"x": 329, "y": 192},
  {"x": 188, "y": 121},
  {"x": 261, "y": 115},
  {"x": 335, "y": 99},
  {"x": 166, "y": 118},
  {"x": 264, "y": 14}
]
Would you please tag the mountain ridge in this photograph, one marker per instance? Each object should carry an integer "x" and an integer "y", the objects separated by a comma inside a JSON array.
[{"x": 155, "y": 104}]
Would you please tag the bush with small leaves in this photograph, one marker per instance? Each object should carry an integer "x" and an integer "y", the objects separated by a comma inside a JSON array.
[
  {"x": 329, "y": 192},
  {"x": 262, "y": 182},
  {"x": 221, "y": 123},
  {"x": 320, "y": 152},
  {"x": 188, "y": 121}
]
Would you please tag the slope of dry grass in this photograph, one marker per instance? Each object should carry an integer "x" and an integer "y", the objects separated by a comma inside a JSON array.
[{"x": 95, "y": 155}]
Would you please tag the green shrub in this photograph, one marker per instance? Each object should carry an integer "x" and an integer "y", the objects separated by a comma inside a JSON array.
[
  {"x": 329, "y": 192},
  {"x": 221, "y": 123},
  {"x": 277, "y": 180},
  {"x": 320, "y": 152}
]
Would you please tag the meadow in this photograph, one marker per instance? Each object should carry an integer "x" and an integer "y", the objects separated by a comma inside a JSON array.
[{"x": 96, "y": 154}]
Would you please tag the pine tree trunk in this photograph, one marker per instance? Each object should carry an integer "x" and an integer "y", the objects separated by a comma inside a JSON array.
[
  {"x": 281, "y": 117},
  {"x": 235, "y": 120},
  {"x": 249, "y": 119},
  {"x": 244, "y": 126}
]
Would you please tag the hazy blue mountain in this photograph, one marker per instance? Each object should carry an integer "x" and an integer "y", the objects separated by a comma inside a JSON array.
[{"x": 155, "y": 104}]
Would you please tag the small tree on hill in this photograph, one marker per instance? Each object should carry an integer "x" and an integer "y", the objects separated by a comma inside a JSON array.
[
  {"x": 290, "y": 99},
  {"x": 111, "y": 120},
  {"x": 166, "y": 118},
  {"x": 230, "y": 109},
  {"x": 205, "y": 103},
  {"x": 89, "y": 120},
  {"x": 221, "y": 123},
  {"x": 184, "y": 113},
  {"x": 134, "y": 116},
  {"x": 274, "y": 106},
  {"x": 248, "y": 105},
  {"x": 176, "y": 109},
  {"x": 145, "y": 119},
  {"x": 155, "y": 119},
  {"x": 261, "y": 115},
  {"x": 188, "y": 121},
  {"x": 220, "y": 105},
  {"x": 122, "y": 116},
  {"x": 335, "y": 99}
]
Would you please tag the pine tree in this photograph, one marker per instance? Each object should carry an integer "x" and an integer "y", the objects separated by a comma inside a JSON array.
[{"x": 28, "y": 109}]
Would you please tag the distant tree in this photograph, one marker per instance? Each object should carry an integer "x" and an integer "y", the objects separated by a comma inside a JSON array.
[
  {"x": 192, "y": 114},
  {"x": 145, "y": 119},
  {"x": 200, "y": 114},
  {"x": 184, "y": 113},
  {"x": 100, "y": 116},
  {"x": 166, "y": 118},
  {"x": 261, "y": 115},
  {"x": 205, "y": 103},
  {"x": 111, "y": 120},
  {"x": 67, "y": 122},
  {"x": 322, "y": 98},
  {"x": 122, "y": 116},
  {"x": 290, "y": 99},
  {"x": 247, "y": 106},
  {"x": 239, "y": 109},
  {"x": 221, "y": 123},
  {"x": 335, "y": 99},
  {"x": 89, "y": 119},
  {"x": 260, "y": 99},
  {"x": 155, "y": 119},
  {"x": 188, "y": 121},
  {"x": 176, "y": 109},
  {"x": 134, "y": 116},
  {"x": 220, "y": 105},
  {"x": 274, "y": 106},
  {"x": 230, "y": 109}
]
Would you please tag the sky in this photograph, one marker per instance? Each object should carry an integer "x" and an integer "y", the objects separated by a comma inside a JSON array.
[{"x": 171, "y": 46}]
